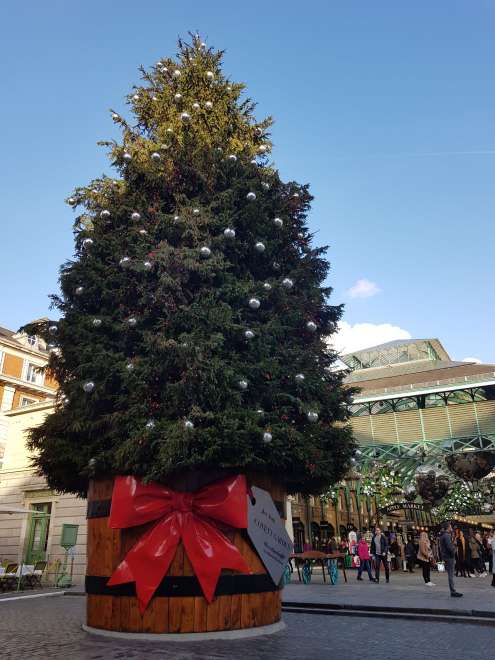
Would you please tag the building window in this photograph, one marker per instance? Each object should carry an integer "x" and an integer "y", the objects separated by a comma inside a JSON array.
[
  {"x": 26, "y": 401},
  {"x": 32, "y": 340},
  {"x": 33, "y": 374}
]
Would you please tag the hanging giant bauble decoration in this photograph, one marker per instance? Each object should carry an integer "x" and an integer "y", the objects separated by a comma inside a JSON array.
[
  {"x": 471, "y": 466},
  {"x": 431, "y": 483}
]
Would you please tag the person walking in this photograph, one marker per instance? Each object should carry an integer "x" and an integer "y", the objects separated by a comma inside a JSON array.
[
  {"x": 447, "y": 552},
  {"x": 379, "y": 550},
  {"x": 410, "y": 555},
  {"x": 364, "y": 559},
  {"x": 461, "y": 554},
  {"x": 425, "y": 557}
]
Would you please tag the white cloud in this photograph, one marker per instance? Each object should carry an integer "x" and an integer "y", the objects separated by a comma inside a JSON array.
[
  {"x": 350, "y": 338},
  {"x": 364, "y": 289},
  {"x": 471, "y": 359}
]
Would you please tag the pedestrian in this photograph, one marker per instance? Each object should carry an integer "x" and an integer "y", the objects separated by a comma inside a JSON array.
[
  {"x": 461, "y": 566},
  {"x": 447, "y": 552},
  {"x": 481, "y": 556},
  {"x": 474, "y": 549},
  {"x": 410, "y": 555},
  {"x": 491, "y": 549},
  {"x": 491, "y": 542},
  {"x": 364, "y": 559},
  {"x": 379, "y": 550},
  {"x": 425, "y": 557}
]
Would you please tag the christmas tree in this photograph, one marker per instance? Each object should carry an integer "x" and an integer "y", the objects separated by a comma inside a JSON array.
[{"x": 194, "y": 320}]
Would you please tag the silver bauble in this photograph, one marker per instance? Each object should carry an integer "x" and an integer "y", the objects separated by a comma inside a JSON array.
[
  {"x": 188, "y": 425},
  {"x": 229, "y": 232},
  {"x": 178, "y": 96},
  {"x": 79, "y": 290},
  {"x": 135, "y": 216},
  {"x": 233, "y": 157},
  {"x": 208, "y": 105},
  {"x": 205, "y": 252},
  {"x": 229, "y": 88},
  {"x": 210, "y": 75},
  {"x": 132, "y": 321},
  {"x": 176, "y": 73},
  {"x": 124, "y": 262},
  {"x": 150, "y": 424},
  {"x": 299, "y": 378},
  {"x": 253, "y": 161},
  {"x": 262, "y": 148},
  {"x": 242, "y": 384},
  {"x": 185, "y": 116},
  {"x": 267, "y": 437},
  {"x": 170, "y": 131},
  {"x": 251, "y": 196},
  {"x": 127, "y": 156},
  {"x": 287, "y": 283},
  {"x": 115, "y": 116},
  {"x": 135, "y": 97},
  {"x": 295, "y": 195},
  {"x": 72, "y": 201},
  {"x": 96, "y": 322},
  {"x": 196, "y": 106},
  {"x": 87, "y": 242},
  {"x": 265, "y": 185},
  {"x": 89, "y": 386},
  {"x": 196, "y": 211},
  {"x": 259, "y": 247},
  {"x": 260, "y": 411},
  {"x": 312, "y": 416},
  {"x": 154, "y": 98},
  {"x": 143, "y": 232},
  {"x": 129, "y": 366},
  {"x": 267, "y": 286},
  {"x": 176, "y": 218},
  {"x": 254, "y": 303},
  {"x": 105, "y": 213},
  {"x": 249, "y": 334},
  {"x": 155, "y": 156},
  {"x": 147, "y": 265},
  {"x": 278, "y": 222},
  {"x": 276, "y": 265},
  {"x": 311, "y": 326}
]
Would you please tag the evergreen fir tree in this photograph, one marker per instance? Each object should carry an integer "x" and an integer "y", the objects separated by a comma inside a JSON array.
[{"x": 193, "y": 317}]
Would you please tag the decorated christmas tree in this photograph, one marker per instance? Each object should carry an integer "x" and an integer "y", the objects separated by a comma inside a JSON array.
[{"x": 194, "y": 316}]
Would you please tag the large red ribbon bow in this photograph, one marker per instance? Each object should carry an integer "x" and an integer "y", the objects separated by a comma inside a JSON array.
[{"x": 186, "y": 517}]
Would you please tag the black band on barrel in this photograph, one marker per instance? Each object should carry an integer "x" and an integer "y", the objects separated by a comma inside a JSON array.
[
  {"x": 98, "y": 509},
  {"x": 186, "y": 585}
]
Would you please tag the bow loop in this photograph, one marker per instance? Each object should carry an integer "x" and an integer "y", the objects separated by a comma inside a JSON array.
[{"x": 190, "y": 517}]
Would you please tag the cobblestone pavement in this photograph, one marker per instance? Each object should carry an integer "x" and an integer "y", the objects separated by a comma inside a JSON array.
[
  {"x": 404, "y": 590},
  {"x": 50, "y": 628}
]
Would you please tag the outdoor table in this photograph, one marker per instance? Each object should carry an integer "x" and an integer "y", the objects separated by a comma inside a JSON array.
[{"x": 319, "y": 558}]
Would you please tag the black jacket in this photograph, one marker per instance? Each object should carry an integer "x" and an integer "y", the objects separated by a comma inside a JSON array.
[
  {"x": 383, "y": 545},
  {"x": 447, "y": 548}
]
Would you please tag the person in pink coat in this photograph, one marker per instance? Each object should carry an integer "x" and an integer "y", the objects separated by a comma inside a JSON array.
[{"x": 364, "y": 559}]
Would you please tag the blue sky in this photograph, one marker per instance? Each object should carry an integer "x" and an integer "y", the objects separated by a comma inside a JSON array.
[{"x": 385, "y": 108}]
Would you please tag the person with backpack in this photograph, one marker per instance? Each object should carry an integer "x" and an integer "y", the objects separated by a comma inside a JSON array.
[{"x": 447, "y": 552}]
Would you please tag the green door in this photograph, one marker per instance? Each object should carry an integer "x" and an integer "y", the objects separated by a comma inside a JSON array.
[{"x": 37, "y": 538}]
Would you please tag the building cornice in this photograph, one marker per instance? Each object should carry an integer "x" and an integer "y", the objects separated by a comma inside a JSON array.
[
  {"x": 416, "y": 390},
  {"x": 34, "y": 407},
  {"x": 21, "y": 348}
]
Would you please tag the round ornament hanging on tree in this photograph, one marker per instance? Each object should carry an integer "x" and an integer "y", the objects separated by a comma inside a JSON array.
[{"x": 254, "y": 303}]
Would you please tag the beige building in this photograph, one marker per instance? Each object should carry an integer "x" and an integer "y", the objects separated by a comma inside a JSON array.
[{"x": 27, "y": 394}]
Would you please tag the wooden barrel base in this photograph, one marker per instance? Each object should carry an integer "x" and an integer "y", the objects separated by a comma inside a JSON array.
[
  {"x": 241, "y": 633},
  {"x": 251, "y": 602}
]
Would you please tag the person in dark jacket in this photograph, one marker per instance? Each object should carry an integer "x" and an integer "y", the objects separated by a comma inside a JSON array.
[
  {"x": 447, "y": 552},
  {"x": 379, "y": 550},
  {"x": 410, "y": 555}
]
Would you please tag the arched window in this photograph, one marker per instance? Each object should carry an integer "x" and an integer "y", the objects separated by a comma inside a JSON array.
[
  {"x": 381, "y": 407},
  {"x": 407, "y": 403},
  {"x": 434, "y": 400}
]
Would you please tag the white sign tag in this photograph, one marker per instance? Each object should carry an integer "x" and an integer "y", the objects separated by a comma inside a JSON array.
[{"x": 268, "y": 534}]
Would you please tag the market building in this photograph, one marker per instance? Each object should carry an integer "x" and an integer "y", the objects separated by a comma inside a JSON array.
[{"x": 416, "y": 406}]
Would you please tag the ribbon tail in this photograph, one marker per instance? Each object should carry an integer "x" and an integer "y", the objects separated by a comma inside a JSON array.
[
  {"x": 209, "y": 551},
  {"x": 148, "y": 561}
]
